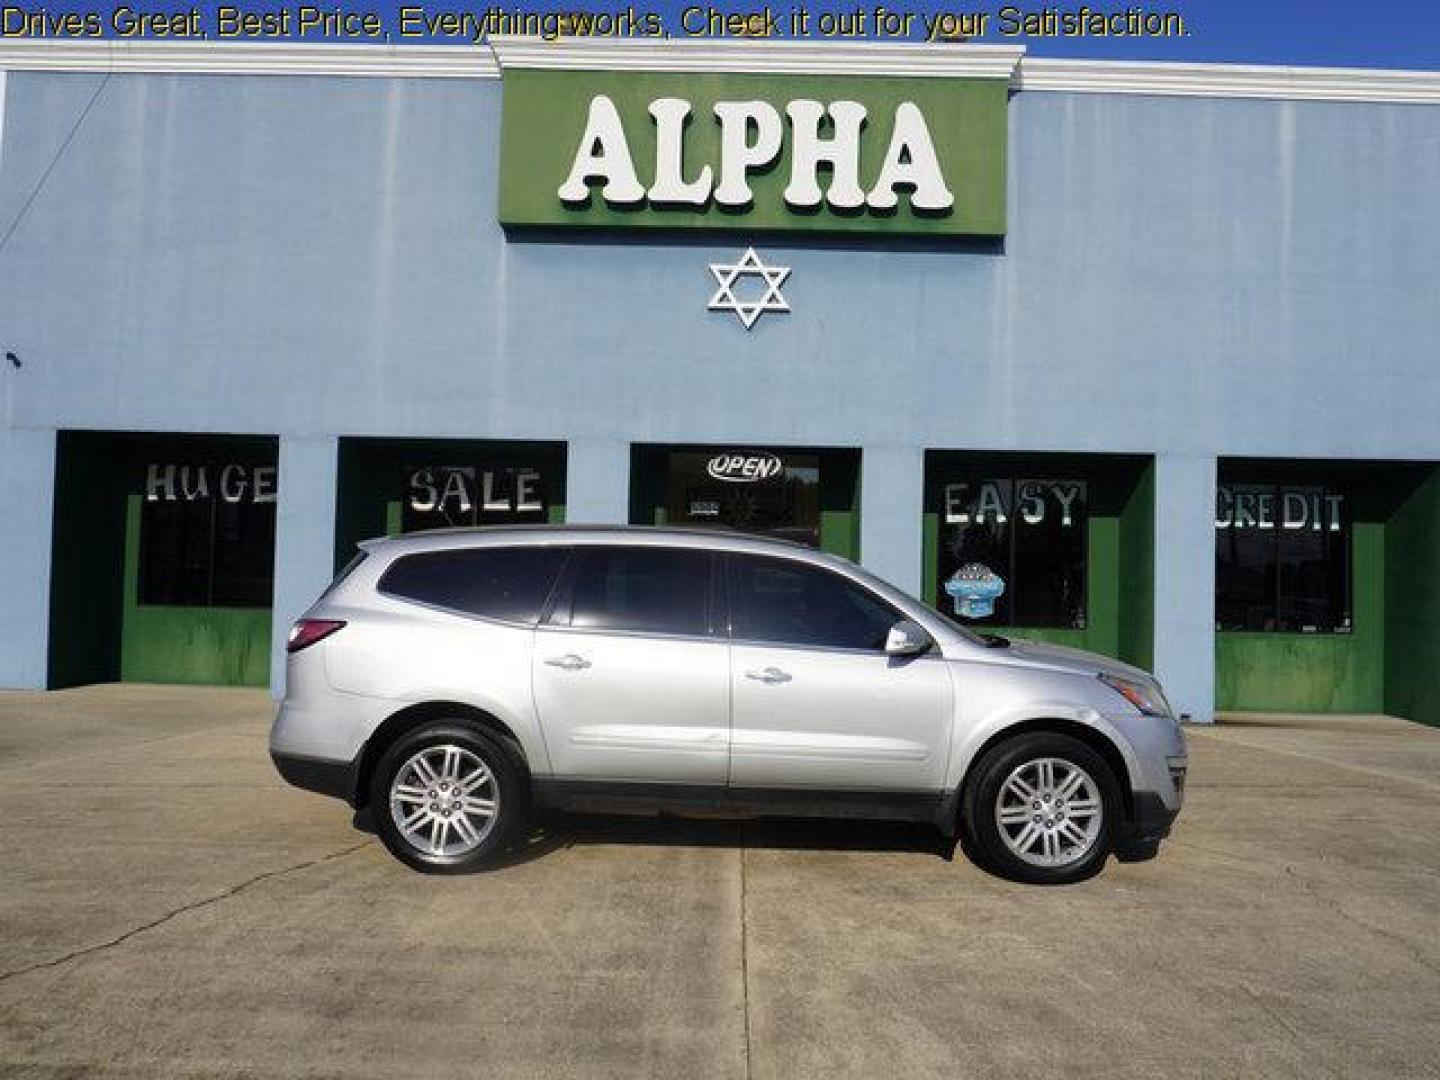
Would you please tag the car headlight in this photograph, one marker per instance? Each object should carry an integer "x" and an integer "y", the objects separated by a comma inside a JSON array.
[{"x": 1146, "y": 698}]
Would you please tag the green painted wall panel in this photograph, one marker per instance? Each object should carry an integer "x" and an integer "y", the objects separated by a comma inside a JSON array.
[
  {"x": 545, "y": 113},
  {"x": 1314, "y": 672},
  {"x": 1137, "y": 580},
  {"x": 205, "y": 645},
  {"x": 1412, "y": 638}
]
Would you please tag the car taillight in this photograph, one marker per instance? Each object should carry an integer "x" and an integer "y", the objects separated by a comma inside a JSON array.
[{"x": 307, "y": 632}]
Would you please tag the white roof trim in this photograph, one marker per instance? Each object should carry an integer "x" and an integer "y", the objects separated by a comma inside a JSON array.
[
  {"x": 719, "y": 55},
  {"x": 1228, "y": 80},
  {"x": 779, "y": 57},
  {"x": 252, "y": 58}
]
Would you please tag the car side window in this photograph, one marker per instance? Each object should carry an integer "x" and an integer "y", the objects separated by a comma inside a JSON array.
[
  {"x": 506, "y": 583},
  {"x": 643, "y": 590},
  {"x": 794, "y": 603}
]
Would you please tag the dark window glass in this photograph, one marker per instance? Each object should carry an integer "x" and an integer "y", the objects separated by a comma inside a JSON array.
[
  {"x": 1026, "y": 540},
  {"x": 1282, "y": 558},
  {"x": 650, "y": 590},
  {"x": 244, "y": 554},
  {"x": 175, "y": 553},
  {"x": 793, "y": 603},
  {"x": 756, "y": 497},
  {"x": 444, "y": 496},
  {"x": 198, "y": 549},
  {"x": 511, "y": 584}
]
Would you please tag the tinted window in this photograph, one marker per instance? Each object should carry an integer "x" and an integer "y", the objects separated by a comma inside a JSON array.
[
  {"x": 642, "y": 590},
  {"x": 1282, "y": 558},
  {"x": 441, "y": 496},
  {"x": 797, "y": 604},
  {"x": 206, "y": 552},
  {"x": 784, "y": 503},
  {"x": 499, "y": 583},
  {"x": 1025, "y": 539}
]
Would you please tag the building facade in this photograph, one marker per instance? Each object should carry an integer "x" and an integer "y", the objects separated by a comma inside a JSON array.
[{"x": 1136, "y": 357}]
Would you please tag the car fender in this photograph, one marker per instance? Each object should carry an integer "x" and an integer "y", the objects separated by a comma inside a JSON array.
[{"x": 972, "y": 737}]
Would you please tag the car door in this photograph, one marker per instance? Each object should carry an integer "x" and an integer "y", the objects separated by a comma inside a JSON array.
[
  {"x": 630, "y": 669},
  {"x": 816, "y": 701}
]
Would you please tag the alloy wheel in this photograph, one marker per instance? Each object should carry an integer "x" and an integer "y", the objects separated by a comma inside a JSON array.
[
  {"x": 1049, "y": 812},
  {"x": 444, "y": 801}
]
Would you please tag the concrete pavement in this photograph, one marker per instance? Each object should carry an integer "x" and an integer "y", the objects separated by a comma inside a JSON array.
[{"x": 169, "y": 908}]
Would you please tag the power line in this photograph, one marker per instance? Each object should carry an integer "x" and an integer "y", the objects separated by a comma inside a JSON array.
[{"x": 59, "y": 153}]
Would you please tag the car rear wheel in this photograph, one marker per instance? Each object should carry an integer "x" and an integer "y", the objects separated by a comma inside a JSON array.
[
  {"x": 1042, "y": 808},
  {"x": 448, "y": 798}
]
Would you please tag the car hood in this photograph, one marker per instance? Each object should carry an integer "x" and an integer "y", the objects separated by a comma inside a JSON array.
[{"x": 1062, "y": 658}]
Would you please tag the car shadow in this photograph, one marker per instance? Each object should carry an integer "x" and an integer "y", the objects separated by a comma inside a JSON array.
[{"x": 552, "y": 830}]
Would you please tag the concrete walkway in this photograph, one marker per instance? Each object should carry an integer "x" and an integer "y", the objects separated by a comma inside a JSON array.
[{"x": 169, "y": 908}]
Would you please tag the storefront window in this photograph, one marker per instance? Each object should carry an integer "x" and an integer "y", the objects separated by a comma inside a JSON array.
[
  {"x": 1012, "y": 552},
  {"x": 207, "y": 535},
  {"x": 444, "y": 496},
  {"x": 1282, "y": 558},
  {"x": 776, "y": 494}
]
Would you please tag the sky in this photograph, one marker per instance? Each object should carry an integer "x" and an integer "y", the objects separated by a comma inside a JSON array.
[{"x": 1332, "y": 33}]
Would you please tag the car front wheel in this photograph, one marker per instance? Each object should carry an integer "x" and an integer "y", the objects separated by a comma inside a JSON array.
[
  {"x": 1042, "y": 808},
  {"x": 447, "y": 798}
]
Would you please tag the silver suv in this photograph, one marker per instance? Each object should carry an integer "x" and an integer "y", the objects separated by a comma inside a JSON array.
[{"x": 453, "y": 680}]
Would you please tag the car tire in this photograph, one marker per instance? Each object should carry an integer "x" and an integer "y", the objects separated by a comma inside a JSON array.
[
  {"x": 1042, "y": 808},
  {"x": 449, "y": 798}
]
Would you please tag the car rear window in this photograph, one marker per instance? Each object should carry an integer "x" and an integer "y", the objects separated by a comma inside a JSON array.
[{"x": 510, "y": 584}]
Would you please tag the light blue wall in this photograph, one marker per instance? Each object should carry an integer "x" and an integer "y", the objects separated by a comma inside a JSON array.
[
  {"x": 301, "y": 256},
  {"x": 1185, "y": 577},
  {"x": 304, "y": 535},
  {"x": 892, "y": 512},
  {"x": 27, "y": 493}
]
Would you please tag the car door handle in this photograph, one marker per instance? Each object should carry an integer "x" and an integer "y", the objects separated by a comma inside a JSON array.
[
  {"x": 769, "y": 675},
  {"x": 570, "y": 662}
]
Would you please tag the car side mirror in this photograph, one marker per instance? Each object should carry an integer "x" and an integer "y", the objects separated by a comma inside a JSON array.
[{"x": 906, "y": 638}]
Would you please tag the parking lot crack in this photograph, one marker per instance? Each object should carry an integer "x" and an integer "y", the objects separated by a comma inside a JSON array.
[
  {"x": 184, "y": 909},
  {"x": 745, "y": 944}
]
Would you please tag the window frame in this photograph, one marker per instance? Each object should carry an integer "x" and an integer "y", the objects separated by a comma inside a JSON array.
[{"x": 733, "y": 558}]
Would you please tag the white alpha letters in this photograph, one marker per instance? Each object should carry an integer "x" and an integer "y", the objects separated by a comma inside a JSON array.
[
  {"x": 670, "y": 185},
  {"x": 603, "y": 155},
  {"x": 841, "y": 152},
  {"x": 738, "y": 155},
  {"x": 752, "y": 136},
  {"x": 911, "y": 162}
]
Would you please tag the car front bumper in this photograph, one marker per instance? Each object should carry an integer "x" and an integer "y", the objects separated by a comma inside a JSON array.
[{"x": 1152, "y": 813}]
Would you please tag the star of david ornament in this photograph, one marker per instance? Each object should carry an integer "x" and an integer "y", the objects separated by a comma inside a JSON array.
[{"x": 748, "y": 266}]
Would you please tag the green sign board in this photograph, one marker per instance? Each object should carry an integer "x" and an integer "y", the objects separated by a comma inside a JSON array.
[{"x": 753, "y": 153}]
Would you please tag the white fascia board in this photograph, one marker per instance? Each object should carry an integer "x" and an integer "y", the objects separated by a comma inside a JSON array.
[
  {"x": 760, "y": 56},
  {"x": 1228, "y": 81},
  {"x": 252, "y": 58},
  {"x": 959, "y": 60}
]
